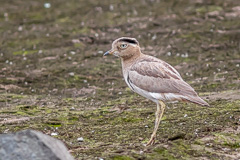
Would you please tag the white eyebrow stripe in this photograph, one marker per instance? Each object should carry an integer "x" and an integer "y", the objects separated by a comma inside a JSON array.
[{"x": 134, "y": 45}]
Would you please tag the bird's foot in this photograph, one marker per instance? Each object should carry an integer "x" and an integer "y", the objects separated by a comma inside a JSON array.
[{"x": 151, "y": 141}]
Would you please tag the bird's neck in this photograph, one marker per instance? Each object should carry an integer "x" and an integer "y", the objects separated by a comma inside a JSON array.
[{"x": 127, "y": 62}]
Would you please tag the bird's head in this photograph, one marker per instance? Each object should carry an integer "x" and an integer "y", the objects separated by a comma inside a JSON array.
[{"x": 125, "y": 48}]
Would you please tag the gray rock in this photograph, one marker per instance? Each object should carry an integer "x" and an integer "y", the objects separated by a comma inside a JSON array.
[{"x": 32, "y": 145}]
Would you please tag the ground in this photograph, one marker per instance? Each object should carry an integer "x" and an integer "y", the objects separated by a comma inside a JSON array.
[{"x": 54, "y": 78}]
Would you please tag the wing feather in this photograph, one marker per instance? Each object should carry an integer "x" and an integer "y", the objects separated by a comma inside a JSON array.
[{"x": 157, "y": 76}]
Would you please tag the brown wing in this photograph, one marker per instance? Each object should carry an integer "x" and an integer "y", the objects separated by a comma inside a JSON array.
[{"x": 154, "y": 75}]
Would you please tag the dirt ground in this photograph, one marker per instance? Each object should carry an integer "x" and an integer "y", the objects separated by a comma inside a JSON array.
[{"x": 53, "y": 77}]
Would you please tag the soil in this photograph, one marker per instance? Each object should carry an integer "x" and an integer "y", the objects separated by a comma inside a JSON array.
[{"x": 54, "y": 78}]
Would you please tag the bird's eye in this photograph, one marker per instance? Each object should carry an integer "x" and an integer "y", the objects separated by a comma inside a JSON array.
[{"x": 123, "y": 46}]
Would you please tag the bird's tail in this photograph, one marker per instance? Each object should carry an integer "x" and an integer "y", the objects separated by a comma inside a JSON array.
[{"x": 196, "y": 100}]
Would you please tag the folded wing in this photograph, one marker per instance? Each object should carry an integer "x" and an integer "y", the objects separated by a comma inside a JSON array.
[{"x": 156, "y": 76}]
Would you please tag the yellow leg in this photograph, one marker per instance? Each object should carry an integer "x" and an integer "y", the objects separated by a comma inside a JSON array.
[{"x": 159, "y": 113}]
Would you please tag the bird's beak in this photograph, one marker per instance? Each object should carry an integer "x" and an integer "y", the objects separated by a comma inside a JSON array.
[{"x": 108, "y": 52}]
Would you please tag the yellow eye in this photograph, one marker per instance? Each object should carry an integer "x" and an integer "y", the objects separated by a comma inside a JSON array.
[{"x": 123, "y": 46}]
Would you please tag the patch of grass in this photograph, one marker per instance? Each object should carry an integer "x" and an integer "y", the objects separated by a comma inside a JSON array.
[
  {"x": 25, "y": 52},
  {"x": 121, "y": 157},
  {"x": 211, "y": 8}
]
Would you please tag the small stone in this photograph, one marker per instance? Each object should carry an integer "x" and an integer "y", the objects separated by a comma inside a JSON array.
[
  {"x": 80, "y": 139},
  {"x": 5, "y": 14},
  {"x": 20, "y": 28},
  {"x": 72, "y": 108},
  {"x": 154, "y": 37},
  {"x": 111, "y": 7},
  {"x": 73, "y": 53},
  {"x": 54, "y": 134},
  {"x": 184, "y": 55},
  {"x": 71, "y": 74},
  {"x": 169, "y": 54},
  {"x": 47, "y": 5}
]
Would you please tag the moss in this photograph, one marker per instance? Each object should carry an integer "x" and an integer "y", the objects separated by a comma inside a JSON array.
[
  {"x": 211, "y": 8},
  {"x": 227, "y": 140},
  {"x": 163, "y": 153},
  {"x": 121, "y": 157},
  {"x": 114, "y": 120},
  {"x": 83, "y": 30},
  {"x": 25, "y": 52}
]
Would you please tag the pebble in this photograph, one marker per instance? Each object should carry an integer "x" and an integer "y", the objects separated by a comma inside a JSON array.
[
  {"x": 73, "y": 53},
  {"x": 111, "y": 7},
  {"x": 40, "y": 51},
  {"x": 47, "y": 5},
  {"x": 184, "y": 55},
  {"x": 100, "y": 52},
  {"x": 169, "y": 53},
  {"x": 80, "y": 139},
  {"x": 154, "y": 37},
  {"x": 71, "y": 74},
  {"x": 54, "y": 134},
  {"x": 20, "y": 28}
]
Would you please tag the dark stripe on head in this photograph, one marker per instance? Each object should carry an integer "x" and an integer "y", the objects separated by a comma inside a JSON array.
[{"x": 133, "y": 41}]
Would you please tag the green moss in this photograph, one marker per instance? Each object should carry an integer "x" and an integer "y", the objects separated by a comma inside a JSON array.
[
  {"x": 211, "y": 8},
  {"x": 21, "y": 113},
  {"x": 78, "y": 45},
  {"x": 25, "y": 52},
  {"x": 113, "y": 123},
  {"x": 63, "y": 20},
  {"x": 54, "y": 123},
  {"x": 121, "y": 157},
  {"x": 227, "y": 140},
  {"x": 83, "y": 30},
  {"x": 163, "y": 153}
]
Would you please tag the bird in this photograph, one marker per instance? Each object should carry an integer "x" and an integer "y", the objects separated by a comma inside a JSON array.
[{"x": 152, "y": 78}]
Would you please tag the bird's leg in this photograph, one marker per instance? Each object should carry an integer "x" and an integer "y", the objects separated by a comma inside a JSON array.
[{"x": 159, "y": 113}]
